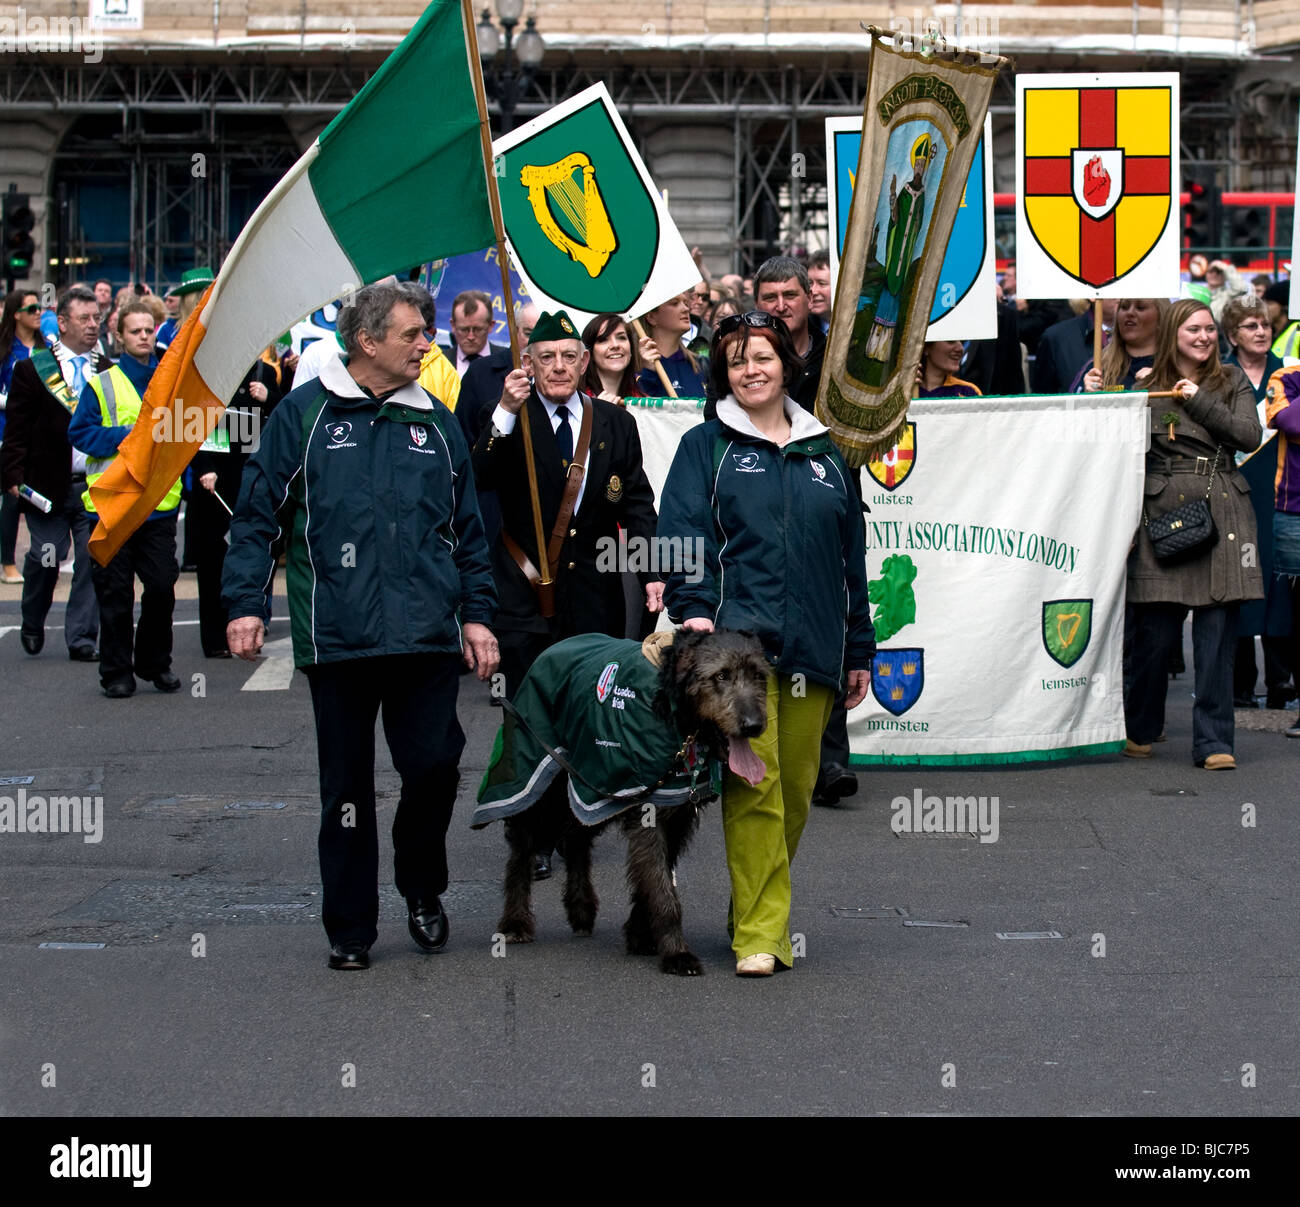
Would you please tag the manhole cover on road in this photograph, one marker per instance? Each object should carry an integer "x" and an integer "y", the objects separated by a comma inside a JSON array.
[{"x": 217, "y": 903}]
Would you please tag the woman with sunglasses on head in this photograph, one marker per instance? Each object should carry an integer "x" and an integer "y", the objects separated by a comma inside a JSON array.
[
  {"x": 20, "y": 328},
  {"x": 614, "y": 363},
  {"x": 1193, "y": 437},
  {"x": 763, "y": 494}
]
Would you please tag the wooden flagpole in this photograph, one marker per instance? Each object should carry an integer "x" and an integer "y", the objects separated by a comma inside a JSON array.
[
  {"x": 659, "y": 364},
  {"x": 498, "y": 227}
]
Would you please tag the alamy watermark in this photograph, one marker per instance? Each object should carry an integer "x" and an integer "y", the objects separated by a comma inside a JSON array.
[
  {"x": 185, "y": 424},
  {"x": 21, "y": 34},
  {"x": 661, "y": 555},
  {"x": 958, "y": 31},
  {"x": 920, "y": 814},
  {"x": 82, "y": 1159},
  {"x": 35, "y": 814}
]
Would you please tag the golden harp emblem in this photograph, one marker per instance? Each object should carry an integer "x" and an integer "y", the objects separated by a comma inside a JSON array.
[{"x": 581, "y": 205}]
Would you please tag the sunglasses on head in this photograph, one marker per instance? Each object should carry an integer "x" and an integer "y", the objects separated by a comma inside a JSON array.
[{"x": 755, "y": 318}]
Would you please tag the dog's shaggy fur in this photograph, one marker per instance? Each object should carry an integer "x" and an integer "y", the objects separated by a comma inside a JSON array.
[{"x": 715, "y": 684}]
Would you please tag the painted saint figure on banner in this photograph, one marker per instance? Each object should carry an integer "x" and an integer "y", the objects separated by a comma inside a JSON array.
[{"x": 917, "y": 153}]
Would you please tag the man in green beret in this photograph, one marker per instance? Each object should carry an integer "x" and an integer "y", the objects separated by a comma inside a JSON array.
[{"x": 613, "y": 491}]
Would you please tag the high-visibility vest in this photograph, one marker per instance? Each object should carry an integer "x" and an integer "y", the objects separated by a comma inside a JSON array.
[
  {"x": 1288, "y": 343},
  {"x": 119, "y": 406}
]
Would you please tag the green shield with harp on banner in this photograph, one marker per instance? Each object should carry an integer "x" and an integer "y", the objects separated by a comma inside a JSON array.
[{"x": 580, "y": 221}]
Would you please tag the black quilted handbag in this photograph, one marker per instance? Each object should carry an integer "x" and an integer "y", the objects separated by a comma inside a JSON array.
[{"x": 1187, "y": 532}]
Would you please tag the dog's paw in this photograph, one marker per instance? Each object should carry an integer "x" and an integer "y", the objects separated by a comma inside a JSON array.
[
  {"x": 684, "y": 963},
  {"x": 516, "y": 931},
  {"x": 582, "y": 921}
]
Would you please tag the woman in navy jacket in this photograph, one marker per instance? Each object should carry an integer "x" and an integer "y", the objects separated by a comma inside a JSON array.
[{"x": 764, "y": 495}]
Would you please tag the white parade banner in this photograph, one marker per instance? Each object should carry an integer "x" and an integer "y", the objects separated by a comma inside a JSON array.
[
  {"x": 996, "y": 545},
  {"x": 1097, "y": 173},
  {"x": 965, "y": 302}
]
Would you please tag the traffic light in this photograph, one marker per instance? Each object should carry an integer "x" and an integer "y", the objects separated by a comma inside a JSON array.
[
  {"x": 1201, "y": 217},
  {"x": 1247, "y": 228},
  {"x": 19, "y": 247}
]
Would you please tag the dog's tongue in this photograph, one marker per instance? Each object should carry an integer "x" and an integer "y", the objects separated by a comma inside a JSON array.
[{"x": 744, "y": 762}]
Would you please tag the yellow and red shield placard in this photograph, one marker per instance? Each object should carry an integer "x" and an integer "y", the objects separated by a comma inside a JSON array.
[
  {"x": 1098, "y": 173},
  {"x": 891, "y": 468}
]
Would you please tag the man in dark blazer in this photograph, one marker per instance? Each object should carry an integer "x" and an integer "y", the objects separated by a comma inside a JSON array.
[
  {"x": 36, "y": 453},
  {"x": 471, "y": 323},
  {"x": 994, "y": 364},
  {"x": 480, "y": 390},
  {"x": 614, "y": 492}
]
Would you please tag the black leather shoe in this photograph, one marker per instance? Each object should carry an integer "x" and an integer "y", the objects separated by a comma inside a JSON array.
[
  {"x": 833, "y": 783},
  {"x": 166, "y": 682},
  {"x": 1244, "y": 702},
  {"x": 216, "y": 653},
  {"x": 541, "y": 867},
  {"x": 33, "y": 643},
  {"x": 83, "y": 653},
  {"x": 349, "y": 957},
  {"x": 427, "y": 922},
  {"x": 119, "y": 689}
]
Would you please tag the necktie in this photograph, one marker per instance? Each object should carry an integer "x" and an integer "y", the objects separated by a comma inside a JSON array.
[
  {"x": 78, "y": 375},
  {"x": 564, "y": 436}
]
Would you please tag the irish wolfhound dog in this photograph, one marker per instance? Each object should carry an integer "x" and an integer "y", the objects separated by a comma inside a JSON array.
[{"x": 631, "y": 730}]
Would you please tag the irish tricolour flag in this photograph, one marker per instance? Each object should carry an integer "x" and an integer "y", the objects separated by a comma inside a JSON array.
[{"x": 398, "y": 178}]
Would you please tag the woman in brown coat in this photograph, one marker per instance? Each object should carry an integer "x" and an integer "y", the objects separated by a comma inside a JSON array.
[{"x": 1192, "y": 442}]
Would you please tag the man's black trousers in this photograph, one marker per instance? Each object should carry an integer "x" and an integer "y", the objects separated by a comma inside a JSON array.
[
  {"x": 416, "y": 695},
  {"x": 150, "y": 553}
]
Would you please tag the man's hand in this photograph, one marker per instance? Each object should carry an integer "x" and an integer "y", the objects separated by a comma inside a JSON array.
[
  {"x": 654, "y": 597},
  {"x": 859, "y": 681},
  {"x": 516, "y": 390},
  {"x": 208, "y": 481},
  {"x": 697, "y": 624},
  {"x": 481, "y": 652},
  {"x": 245, "y": 636}
]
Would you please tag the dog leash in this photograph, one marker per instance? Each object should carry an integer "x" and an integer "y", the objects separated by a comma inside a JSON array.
[{"x": 679, "y": 759}]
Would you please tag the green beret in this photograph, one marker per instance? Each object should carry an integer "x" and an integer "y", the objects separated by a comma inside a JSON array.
[{"x": 552, "y": 327}]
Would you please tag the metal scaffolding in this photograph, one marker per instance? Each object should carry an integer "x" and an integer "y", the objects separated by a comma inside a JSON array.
[{"x": 776, "y": 110}]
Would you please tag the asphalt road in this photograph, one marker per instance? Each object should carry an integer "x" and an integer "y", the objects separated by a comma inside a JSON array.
[{"x": 210, "y": 994}]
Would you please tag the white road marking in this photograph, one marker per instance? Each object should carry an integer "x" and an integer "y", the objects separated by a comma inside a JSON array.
[{"x": 276, "y": 672}]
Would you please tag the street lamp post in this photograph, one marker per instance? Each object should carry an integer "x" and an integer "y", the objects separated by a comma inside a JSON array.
[{"x": 502, "y": 81}]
